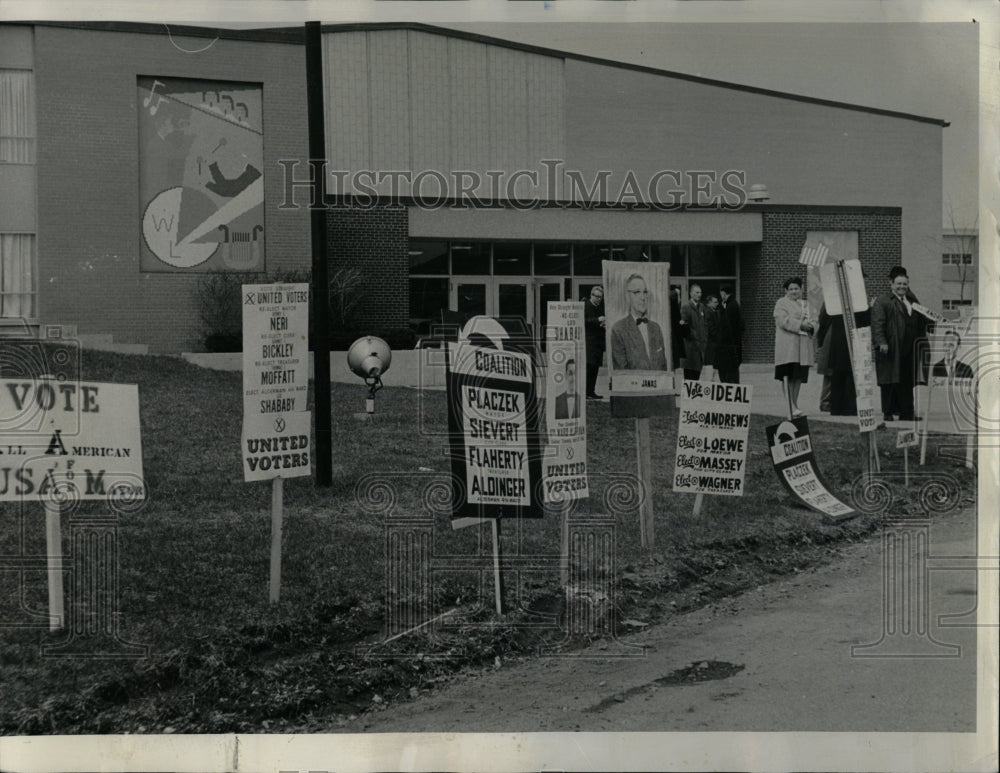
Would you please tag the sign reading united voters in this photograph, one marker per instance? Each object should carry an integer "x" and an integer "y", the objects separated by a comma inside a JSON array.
[
  {"x": 275, "y": 348},
  {"x": 565, "y": 464},
  {"x": 791, "y": 452},
  {"x": 712, "y": 438},
  {"x": 276, "y": 446},
  {"x": 276, "y": 424},
  {"x": 864, "y": 379},
  {"x": 493, "y": 424},
  {"x": 82, "y": 436}
]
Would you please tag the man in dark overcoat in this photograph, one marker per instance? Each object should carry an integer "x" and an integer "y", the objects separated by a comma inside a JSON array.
[{"x": 896, "y": 327}]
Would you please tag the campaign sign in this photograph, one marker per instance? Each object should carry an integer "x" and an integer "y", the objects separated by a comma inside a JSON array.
[
  {"x": 637, "y": 305},
  {"x": 276, "y": 446},
  {"x": 792, "y": 454},
  {"x": 712, "y": 438},
  {"x": 493, "y": 425},
  {"x": 564, "y": 468},
  {"x": 907, "y": 438},
  {"x": 275, "y": 348},
  {"x": 864, "y": 379},
  {"x": 84, "y": 440}
]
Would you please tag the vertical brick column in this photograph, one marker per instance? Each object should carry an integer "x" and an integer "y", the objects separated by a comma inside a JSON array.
[{"x": 374, "y": 239}]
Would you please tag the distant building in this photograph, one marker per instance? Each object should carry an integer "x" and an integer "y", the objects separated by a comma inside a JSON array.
[
  {"x": 468, "y": 175},
  {"x": 959, "y": 268}
]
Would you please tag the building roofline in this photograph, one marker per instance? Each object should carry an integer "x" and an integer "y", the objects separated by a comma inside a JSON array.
[{"x": 296, "y": 36}]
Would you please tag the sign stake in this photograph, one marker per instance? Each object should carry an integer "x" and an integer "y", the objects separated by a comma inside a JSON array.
[
  {"x": 277, "y": 516},
  {"x": 564, "y": 551},
  {"x": 53, "y": 549},
  {"x": 906, "y": 466},
  {"x": 698, "y": 499},
  {"x": 498, "y": 589},
  {"x": 645, "y": 464}
]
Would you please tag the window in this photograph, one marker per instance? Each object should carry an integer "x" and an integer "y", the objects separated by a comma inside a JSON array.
[
  {"x": 512, "y": 258},
  {"x": 470, "y": 258},
  {"x": 956, "y": 259},
  {"x": 428, "y": 257},
  {"x": 17, "y": 276},
  {"x": 955, "y": 303},
  {"x": 17, "y": 117}
]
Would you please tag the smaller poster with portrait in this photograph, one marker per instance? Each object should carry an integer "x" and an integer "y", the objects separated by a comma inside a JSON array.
[
  {"x": 564, "y": 468},
  {"x": 948, "y": 402},
  {"x": 637, "y": 306}
]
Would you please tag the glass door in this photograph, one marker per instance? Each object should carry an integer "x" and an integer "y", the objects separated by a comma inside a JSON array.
[{"x": 469, "y": 296}]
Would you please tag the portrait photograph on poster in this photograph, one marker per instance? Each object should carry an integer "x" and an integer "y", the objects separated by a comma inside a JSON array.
[{"x": 636, "y": 302}]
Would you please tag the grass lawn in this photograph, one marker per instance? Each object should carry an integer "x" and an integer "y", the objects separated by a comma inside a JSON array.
[{"x": 193, "y": 563}]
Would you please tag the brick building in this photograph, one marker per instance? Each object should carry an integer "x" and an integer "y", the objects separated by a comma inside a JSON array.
[{"x": 465, "y": 174}]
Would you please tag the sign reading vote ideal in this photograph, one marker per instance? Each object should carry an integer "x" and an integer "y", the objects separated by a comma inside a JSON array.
[
  {"x": 712, "y": 438},
  {"x": 791, "y": 452},
  {"x": 493, "y": 424},
  {"x": 565, "y": 465},
  {"x": 275, "y": 348},
  {"x": 78, "y": 438}
]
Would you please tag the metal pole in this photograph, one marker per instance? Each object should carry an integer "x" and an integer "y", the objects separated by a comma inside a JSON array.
[{"x": 315, "y": 78}]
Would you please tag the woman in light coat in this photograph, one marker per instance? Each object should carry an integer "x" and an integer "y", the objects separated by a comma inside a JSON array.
[{"x": 793, "y": 342}]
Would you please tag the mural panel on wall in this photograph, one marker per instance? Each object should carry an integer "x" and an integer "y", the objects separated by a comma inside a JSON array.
[{"x": 201, "y": 175}]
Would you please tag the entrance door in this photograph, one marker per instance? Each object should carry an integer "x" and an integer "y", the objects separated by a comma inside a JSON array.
[{"x": 469, "y": 296}]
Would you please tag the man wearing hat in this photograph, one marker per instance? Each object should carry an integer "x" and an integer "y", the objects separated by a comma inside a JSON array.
[{"x": 896, "y": 328}]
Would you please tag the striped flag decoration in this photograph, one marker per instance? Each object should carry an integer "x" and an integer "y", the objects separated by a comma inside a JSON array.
[{"x": 814, "y": 256}]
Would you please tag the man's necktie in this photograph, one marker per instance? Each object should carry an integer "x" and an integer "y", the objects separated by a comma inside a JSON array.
[{"x": 642, "y": 320}]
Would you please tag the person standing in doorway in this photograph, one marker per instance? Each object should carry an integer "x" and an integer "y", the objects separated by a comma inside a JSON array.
[
  {"x": 729, "y": 352},
  {"x": 593, "y": 328},
  {"x": 695, "y": 333}
]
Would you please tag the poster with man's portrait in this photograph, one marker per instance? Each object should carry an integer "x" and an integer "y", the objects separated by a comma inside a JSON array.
[
  {"x": 948, "y": 402},
  {"x": 637, "y": 306}
]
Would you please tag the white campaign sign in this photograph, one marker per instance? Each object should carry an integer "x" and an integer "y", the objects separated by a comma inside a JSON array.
[
  {"x": 864, "y": 379},
  {"x": 564, "y": 468},
  {"x": 80, "y": 439},
  {"x": 275, "y": 348},
  {"x": 712, "y": 438},
  {"x": 276, "y": 446}
]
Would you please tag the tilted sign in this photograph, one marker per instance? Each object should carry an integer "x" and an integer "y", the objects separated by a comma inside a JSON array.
[
  {"x": 493, "y": 425},
  {"x": 712, "y": 438},
  {"x": 275, "y": 348},
  {"x": 78, "y": 439},
  {"x": 791, "y": 452},
  {"x": 565, "y": 464}
]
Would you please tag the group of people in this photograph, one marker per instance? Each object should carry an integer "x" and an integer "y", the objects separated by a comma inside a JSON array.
[
  {"x": 711, "y": 334},
  {"x": 897, "y": 330},
  {"x": 702, "y": 334}
]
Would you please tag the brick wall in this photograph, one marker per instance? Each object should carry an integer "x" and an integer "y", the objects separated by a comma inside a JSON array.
[
  {"x": 764, "y": 267},
  {"x": 374, "y": 240},
  {"x": 89, "y": 222}
]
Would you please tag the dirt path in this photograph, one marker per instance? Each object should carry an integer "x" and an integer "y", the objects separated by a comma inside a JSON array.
[{"x": 774, "y": 659}]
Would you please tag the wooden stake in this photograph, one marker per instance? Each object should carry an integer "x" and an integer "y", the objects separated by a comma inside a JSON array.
[
  {"x": 498, "y": 589},
  {"x": 906, "y": 465},
  {"x": 277, "y": 490},
  {"x": 645, "y": 466},
  {"x": 564, "y": 551},
  {"x": 788, "y": 395},
  {"x": 53, "y": 549},
  {"x": 698, "y": 499}
]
